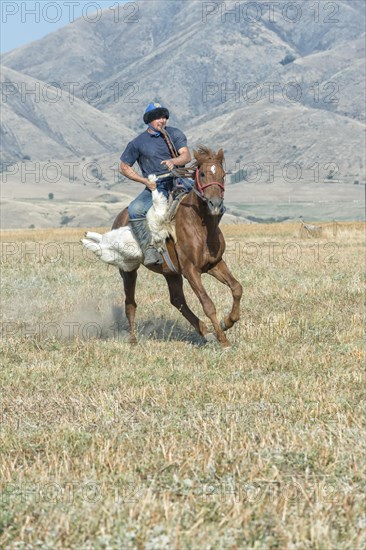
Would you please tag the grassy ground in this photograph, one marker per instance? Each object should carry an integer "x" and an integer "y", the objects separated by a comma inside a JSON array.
[{"x": 173, "y": 443}]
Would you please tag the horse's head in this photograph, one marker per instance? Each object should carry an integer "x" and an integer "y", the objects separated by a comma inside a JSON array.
[{"x": 210, "y": 178}]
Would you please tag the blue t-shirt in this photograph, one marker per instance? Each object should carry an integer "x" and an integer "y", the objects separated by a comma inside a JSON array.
[{"x": 149, "y": 150}]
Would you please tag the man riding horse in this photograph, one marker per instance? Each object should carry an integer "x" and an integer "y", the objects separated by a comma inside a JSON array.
[
  {"x": 199, "y": 243},
  {"x": 157, "y": 150}
]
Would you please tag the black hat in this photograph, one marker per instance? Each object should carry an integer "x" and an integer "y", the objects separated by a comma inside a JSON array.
[{"x": 154, "y": 111}]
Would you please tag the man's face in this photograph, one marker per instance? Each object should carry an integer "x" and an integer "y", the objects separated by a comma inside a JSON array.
[{"x": 159, "y": 123}]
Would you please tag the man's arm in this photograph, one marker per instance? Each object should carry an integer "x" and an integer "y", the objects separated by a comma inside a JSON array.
[
  {"x": 129, "y": 172},
  {"x": 184, "y": 156}
]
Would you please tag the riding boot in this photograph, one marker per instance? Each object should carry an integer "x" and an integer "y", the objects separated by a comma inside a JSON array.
[{"x": 141, "y": 231}]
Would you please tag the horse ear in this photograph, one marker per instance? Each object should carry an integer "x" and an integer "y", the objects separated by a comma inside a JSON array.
[
  {"x": 220, "y": 155},
  {"x": 195, "y": 154}
]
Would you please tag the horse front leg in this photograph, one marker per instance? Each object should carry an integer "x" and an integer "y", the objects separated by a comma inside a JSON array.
[
  {"x": 178, "y": 300},
  {"x": 194, "y": 278},
  {"x": 129, "y": 284},
  {"x": 221, "y": 273}
]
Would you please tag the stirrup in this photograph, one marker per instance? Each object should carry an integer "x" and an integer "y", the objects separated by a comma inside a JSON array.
[{"x": 152, "y": 256}]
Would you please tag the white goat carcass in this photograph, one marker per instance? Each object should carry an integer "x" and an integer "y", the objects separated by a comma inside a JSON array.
[
  {"x": 119, "y": 246},
  {"x": 159, "y": 220}
]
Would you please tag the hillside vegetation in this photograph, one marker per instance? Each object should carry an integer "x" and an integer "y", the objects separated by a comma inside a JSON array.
[
  {"x": 279, "y": 86},
  {"x": 173, "y": 443}
]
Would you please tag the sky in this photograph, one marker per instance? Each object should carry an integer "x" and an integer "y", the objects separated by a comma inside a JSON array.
[{"x": 23, "y": 21}]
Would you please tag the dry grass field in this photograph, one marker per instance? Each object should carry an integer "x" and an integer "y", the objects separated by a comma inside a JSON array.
[{"x": 173, "y": 443}]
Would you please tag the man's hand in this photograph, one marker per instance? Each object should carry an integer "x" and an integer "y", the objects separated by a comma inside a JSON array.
[
  {"x": 130, "y": 173},
  {"x": 169, "y": 164},
  {"x": 151, "y": 183},
  {"x": 181, "y": 160}
]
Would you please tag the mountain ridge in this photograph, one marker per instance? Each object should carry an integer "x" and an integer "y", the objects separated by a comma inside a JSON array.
[{"x": 266, "y": 91}]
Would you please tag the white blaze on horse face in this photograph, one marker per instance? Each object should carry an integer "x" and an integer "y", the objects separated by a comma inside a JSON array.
[{"x": 213, "y": 169}]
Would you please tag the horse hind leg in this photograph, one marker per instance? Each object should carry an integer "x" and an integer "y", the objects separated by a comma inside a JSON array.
[{"x": 129, "y": 284}]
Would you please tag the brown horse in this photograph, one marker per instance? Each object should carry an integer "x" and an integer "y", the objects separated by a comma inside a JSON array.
[{"x": 198, "y": 249}]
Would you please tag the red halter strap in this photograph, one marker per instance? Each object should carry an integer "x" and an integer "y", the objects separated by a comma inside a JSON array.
[{"x": 203, "y": 186}]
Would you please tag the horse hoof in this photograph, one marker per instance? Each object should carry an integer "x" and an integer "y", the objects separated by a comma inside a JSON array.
[
  {"x": 226, "y": 346},
  {"x": 203, "y": 329},
  {"x": 210, "y": 337},
  {"x": 229, "y": 322},
  {"x": 132, "y": 340}
]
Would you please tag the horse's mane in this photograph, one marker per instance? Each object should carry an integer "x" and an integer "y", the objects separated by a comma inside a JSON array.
[{"x": 204, "y": 153}]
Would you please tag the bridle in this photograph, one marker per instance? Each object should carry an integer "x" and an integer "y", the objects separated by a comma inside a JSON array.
[
  {"x": 199, "y": 187},
  {"x": 202, "y": 186}
]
